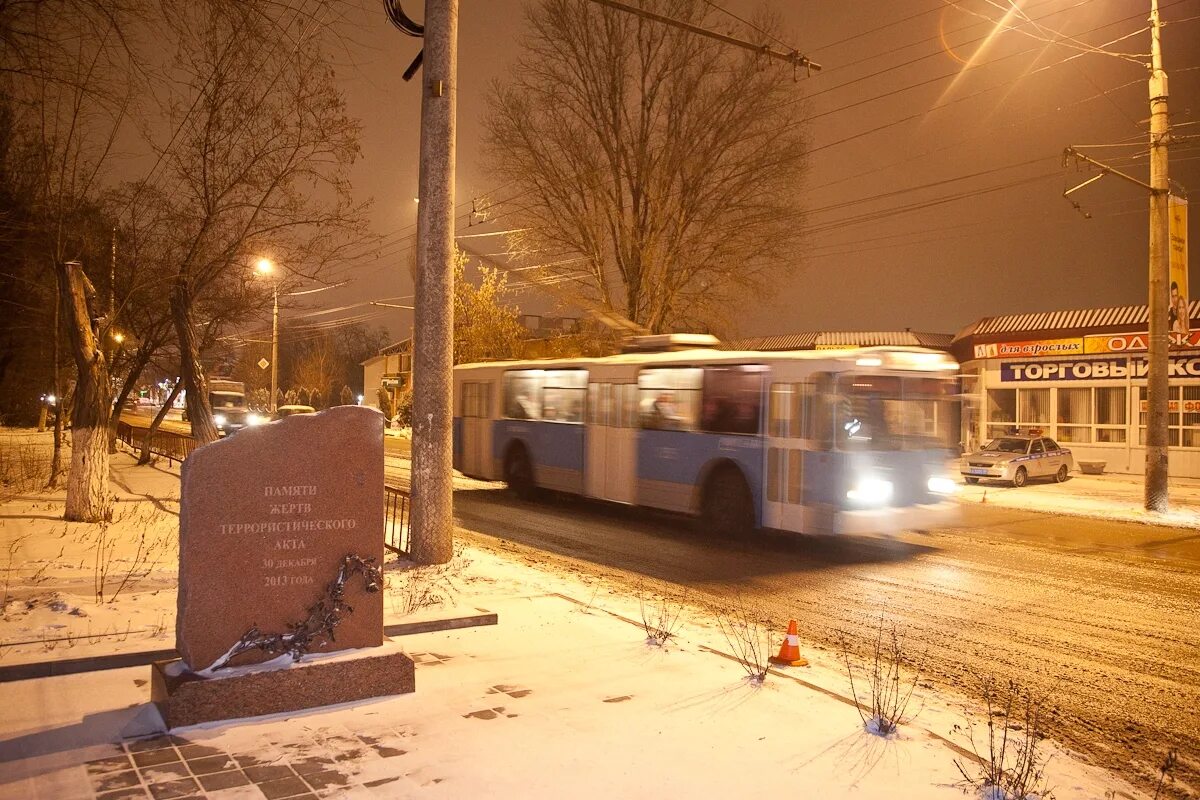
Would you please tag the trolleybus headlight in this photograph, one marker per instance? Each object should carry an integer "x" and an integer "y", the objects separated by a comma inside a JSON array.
[
  {"x": 871, "y": 491},
  {"x": 940, "y": 484},
  {"x": 220, "y": 420}
]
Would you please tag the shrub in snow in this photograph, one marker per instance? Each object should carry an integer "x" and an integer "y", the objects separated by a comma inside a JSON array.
[
  {"x": 885, "y": 694},
  {"x": 747, "y": 637},
  {"x": 1164, "y": 772},
  {"x": 414, "y": 587},
  {"x": 660, "y": 616},
  {"x": 1013, "y": 765}
]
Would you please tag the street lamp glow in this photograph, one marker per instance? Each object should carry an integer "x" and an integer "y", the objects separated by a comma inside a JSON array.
[{"x": 264, "y": 266}]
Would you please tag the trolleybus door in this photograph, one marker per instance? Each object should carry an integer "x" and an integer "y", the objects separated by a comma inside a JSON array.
[
  {"x": 477, "y": 429},
  {"x": 783, "y": 470},
  {"x": 611, "y": 441}
]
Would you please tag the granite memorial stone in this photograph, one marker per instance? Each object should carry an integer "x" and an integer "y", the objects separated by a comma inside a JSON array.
[{"x": 268, "y": 517}]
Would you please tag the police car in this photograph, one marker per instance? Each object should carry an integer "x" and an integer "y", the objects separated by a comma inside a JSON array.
[{"x": 1017, "y": 459}]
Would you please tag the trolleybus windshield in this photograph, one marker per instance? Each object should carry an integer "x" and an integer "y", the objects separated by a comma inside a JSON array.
[{"x": 892, "y": 412}]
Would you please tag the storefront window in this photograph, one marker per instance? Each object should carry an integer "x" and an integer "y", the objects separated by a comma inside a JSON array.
[
  {"x": 1172, "y": 415},
  {"x": 1034, "y": 407},
  {"x": 1001, "y": 411},
  {"x": 1190, "y": 432},
  {"x": 1020, "y": 409},
  {"x": 1112, "y": 411},
  {"x": 1075, "y": 415}
]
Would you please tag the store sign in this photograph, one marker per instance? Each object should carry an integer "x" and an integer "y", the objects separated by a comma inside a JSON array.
[
  {"x": 1093, "y": 369},
  {"x": 1173, "y": 406},
  {"x": 1136, "y": 342},
  {"x": 1092, "y": 344},
  {"x": 1040, "y": 347}
]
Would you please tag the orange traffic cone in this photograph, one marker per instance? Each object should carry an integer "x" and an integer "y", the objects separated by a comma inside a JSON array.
[{"x": 789, "y": 651}]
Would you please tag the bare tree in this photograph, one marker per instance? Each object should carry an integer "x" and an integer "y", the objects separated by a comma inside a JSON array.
[
  {"x": 69, "y": 81},
  {"x": 88, "y": 496},
  {"x": 259, "y": 166},
  {"x": 317, "y": 365},
  {"x": 656, "y": 171}
]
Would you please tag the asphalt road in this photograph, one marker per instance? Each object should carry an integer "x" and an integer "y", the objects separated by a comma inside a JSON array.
[{"x": 1099, "y": 616}]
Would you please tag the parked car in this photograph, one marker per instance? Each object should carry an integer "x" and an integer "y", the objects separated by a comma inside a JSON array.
[
  {"x": 1018, "y": 458},
  {"x": 290, "y": 411}
]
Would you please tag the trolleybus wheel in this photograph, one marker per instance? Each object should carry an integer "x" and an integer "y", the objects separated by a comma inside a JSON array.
[
  {"x": 1020, "y": 478},
  {"x": 1061, "y": 475},
  {"x": 518, "y": 473},
  {"x": 727, "y": 507}
]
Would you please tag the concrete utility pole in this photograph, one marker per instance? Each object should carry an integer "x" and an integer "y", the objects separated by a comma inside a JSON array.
[
  {"x": 432, "y": 458},
  {"x": 1159, "y": 345},
  {"x": 273, "y": 405}
]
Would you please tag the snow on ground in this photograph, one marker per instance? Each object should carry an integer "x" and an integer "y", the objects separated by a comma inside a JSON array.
[
  {"x": 563, "y": 698},
  {"x": 1109, "y": 496}
]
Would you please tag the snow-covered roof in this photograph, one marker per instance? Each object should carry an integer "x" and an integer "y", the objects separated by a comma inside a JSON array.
[
  {"x": 1084, "y": 319},
  {"x": 830, "y": 339}
]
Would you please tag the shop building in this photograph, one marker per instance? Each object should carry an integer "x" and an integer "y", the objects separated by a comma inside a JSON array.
[{"x": 1079, "y": 377}]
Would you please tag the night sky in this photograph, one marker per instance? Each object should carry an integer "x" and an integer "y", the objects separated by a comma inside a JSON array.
[{"x": 935, "y": 188}]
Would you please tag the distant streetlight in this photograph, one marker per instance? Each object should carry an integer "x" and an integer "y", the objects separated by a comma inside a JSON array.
[{"x": 265, "y": 267}]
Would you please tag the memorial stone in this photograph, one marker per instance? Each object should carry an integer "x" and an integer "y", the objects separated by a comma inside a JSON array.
[{"x": 268, "y": 516}]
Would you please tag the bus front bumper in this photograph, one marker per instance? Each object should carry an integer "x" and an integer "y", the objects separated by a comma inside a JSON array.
[{"x": 857, "y": 522}]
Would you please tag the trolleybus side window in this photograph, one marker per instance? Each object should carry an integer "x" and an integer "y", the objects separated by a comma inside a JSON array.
[
  {"x": 779, "y": 410},
  {"x": 563, "y": 394},
  {"x": 732, "y": 398},
  {"x": 803, "y": 412},
  {"x": 523, "y": 394},
  {"x": 556, "y": 395},
  {"x": 476, "y": 399},
  {"x": 669, "y": 398}
]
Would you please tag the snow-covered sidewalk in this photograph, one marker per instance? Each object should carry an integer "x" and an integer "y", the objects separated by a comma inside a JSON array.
[
  {"x": 563, "y": 698},
  {"x": 1109, "y": 496}
]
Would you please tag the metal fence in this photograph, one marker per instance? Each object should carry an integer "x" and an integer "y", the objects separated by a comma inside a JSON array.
[
  {"x": 395, "y": 534},
  {"x": 174, "y": 446}
]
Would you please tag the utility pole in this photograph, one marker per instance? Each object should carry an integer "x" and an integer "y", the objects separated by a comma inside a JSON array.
[
  {"x": 1159, "y": 346},
  {"x": 274, "y": 347},
  {"x": 432, "y": 458},
  {"x": 1158, "y": 354}
]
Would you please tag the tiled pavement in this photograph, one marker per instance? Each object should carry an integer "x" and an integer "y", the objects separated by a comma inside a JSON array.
[
  {"x": 329, "y": 760},
  {"x": 175, "y": 768}
]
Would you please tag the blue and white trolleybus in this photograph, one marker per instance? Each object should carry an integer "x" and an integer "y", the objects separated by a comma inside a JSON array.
[{"x": 846, "y": 441}]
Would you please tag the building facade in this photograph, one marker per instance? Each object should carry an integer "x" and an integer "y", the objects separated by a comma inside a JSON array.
[{"x": 1080, "y": 377}]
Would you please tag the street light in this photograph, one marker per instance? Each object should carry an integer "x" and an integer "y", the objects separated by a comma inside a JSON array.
[{"x": 265, "y": 268}]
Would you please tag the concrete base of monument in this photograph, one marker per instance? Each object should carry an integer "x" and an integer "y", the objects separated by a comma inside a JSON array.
[{"x": 185, "y": 698}]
